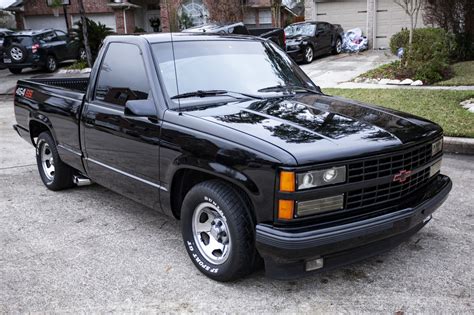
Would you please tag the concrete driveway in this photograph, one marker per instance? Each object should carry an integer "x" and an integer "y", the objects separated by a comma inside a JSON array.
[
  {"x": 330, "y": 71},
  {"x": 90, "y": 250},
  {"x": 8, "y": 80}
]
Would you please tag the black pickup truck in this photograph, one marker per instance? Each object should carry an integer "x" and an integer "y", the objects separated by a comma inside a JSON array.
[{"x": 228, "y": 135}]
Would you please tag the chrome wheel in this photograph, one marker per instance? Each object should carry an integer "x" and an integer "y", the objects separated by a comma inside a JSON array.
[
  {"x": 16, "y": 53},
  {"x": 47, "y": 161},
  {"x": 211, "y": 233},
  {"x": 51, "y": 64},
  {"x": 82, "y": 54},
  {"x": 308, "y": 54},
  {"x": 338, "y": 46}
]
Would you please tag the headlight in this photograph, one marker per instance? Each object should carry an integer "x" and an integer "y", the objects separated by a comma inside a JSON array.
[
  {"x": 330, "y": 176},
  {"x": 436, "y": 147}
]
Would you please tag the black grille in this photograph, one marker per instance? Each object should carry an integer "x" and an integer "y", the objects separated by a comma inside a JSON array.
[
  {"x": 389, "y": 165},
  {"x": 383, "y": 193}
]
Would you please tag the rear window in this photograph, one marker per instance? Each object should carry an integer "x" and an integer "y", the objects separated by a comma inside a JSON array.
[{"x": 22, "y": 40}]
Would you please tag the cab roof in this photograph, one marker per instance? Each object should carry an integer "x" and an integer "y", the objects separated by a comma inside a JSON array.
[{"x": 181, "y": 37}]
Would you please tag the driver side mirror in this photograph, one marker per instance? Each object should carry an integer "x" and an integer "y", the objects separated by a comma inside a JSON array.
[{"x": 140, "y": 108}]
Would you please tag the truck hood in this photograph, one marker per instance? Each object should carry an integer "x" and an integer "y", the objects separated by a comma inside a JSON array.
[{"x": 320, "y": 128}]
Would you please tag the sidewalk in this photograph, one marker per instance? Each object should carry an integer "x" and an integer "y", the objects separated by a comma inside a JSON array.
[{"x": 353, "y": 85}]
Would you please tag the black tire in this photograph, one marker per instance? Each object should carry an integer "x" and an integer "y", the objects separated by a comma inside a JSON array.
[
  {"x": 62, "y": 175},
  {"x": 51, "y": 64},
  {"x": 337, "y": 49},
  {"x": 17, "y": 53},
  {"x": 241, "y": 257},
  {"x": 308, "y": 56},
  {"x": 15, "y": 70}
]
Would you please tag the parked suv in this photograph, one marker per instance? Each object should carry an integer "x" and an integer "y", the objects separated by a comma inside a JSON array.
[{"x": 39, "y": 49}]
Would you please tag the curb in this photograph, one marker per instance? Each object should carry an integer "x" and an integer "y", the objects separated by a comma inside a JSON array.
[{"x": 458, "y": 145}]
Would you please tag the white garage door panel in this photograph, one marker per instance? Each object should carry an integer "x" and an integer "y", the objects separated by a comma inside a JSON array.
[
  {"x": 107, "y": 18},
  {"x": 390, "y": 19},
  {"x": 349, "y": 13},
  {"x": 47, "y": 21}
]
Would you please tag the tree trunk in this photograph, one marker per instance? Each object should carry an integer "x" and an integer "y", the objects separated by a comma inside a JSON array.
[{"x": 84, "y": 33}]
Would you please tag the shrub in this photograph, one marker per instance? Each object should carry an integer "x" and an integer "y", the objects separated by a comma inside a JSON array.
[
  {"x": 428, "y": 59},
  {"x": 96, "y": 32}
]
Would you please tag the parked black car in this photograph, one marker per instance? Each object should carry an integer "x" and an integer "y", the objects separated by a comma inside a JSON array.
[
  {"x": 306, "y": 40},
  {"x": 275, "y": 34},
  {"x": 229, "y": 135},
  {"x": 39, "y": 49}
]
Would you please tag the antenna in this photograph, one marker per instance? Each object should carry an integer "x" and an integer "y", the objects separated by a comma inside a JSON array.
[{"x": 174, "y": 57}]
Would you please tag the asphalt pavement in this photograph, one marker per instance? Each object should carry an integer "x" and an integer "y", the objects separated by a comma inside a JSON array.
[{"x": 90, "y": 250}]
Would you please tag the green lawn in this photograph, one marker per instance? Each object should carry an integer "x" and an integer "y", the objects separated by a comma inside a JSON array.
[
  {"x": 463, "y": 74},
  {"x": 440, "y": 106}
]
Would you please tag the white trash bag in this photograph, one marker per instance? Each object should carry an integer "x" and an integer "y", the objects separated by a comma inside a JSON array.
[{"x": 353, "y": 41}]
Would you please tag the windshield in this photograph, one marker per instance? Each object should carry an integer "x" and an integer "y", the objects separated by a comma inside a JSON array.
[
  {"x": 230, "y": 65},
  {"x": 300, "y": 29}
]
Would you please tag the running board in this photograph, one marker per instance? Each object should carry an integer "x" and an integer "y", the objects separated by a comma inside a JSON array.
[{"x": 81, "y": 180}]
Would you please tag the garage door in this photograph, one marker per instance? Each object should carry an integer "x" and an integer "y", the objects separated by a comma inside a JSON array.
[
  {"x": 106, "y": 18},
  {"x": 348, "y": 13},
  {"x": 46, "y": 21},
  {"x": 390, "y": 19}
]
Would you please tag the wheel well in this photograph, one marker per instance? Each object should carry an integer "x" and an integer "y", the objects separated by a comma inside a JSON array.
[
  {"x": 36, "y": 128},
  {"x": 185, "y": 179}
]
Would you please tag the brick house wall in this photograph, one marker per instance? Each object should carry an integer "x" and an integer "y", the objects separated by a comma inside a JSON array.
[{"x": 39, "y": 7}]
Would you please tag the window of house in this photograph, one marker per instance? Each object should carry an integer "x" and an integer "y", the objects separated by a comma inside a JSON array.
[
  {"x": 265, "y": 17},
  {"x": 192, "y": 12},
  {"x": 120, "y": 80},
  {"x": 250, "y": 18}
]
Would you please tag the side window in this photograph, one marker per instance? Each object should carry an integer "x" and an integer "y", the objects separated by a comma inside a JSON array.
[
  {"x": 122, "y": 75},
  {"x": 47, "y": 37},
  {"x": 61, "y": 36}
]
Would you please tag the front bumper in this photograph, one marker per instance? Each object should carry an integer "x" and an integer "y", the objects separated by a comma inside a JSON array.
[
  {"x": 286, "y": 251},
  {"x": 297, "y": 54}
]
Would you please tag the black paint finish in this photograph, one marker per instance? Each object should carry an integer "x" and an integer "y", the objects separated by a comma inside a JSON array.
[{"x": 243, "y": 141}]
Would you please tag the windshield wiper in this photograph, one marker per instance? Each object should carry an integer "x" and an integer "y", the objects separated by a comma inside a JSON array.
[
  {"x": 288, "y": 88},
  {"x": 210, "y": 93}
]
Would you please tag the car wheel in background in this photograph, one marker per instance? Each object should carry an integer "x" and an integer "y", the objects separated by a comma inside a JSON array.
[
  {"x": 15, "y": 70},
  {"x": 308, "y": 54},
  {"x": 54, "y": 173},
  {"x": 337, "y": 49},
  {"x": 17, "y": 53},
  {"x": 218, "y": 231},
  {"x": 51, "y": 64},
  {"x": 82, "y": 54}
]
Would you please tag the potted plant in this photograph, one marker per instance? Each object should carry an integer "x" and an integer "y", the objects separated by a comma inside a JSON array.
[
  {"x": 155, "y": 24},
  {"x": 55, "y": 5}
]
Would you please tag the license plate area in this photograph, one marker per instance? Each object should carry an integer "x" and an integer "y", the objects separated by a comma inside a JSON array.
[{"x": 7, "y": 60}]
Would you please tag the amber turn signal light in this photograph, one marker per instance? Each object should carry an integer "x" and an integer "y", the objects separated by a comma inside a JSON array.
[
  {"x": 287, "y": 181},
  {"x": 286, "y": 209}
]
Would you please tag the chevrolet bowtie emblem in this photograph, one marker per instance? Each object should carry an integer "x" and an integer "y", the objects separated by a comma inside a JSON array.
[{"x": 402, "y": 176}]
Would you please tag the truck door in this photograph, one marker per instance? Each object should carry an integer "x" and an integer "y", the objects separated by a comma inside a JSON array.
[{"x": 122, "y": 151}]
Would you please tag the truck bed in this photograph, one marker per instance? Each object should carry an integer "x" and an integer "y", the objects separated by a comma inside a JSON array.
[{"x": 78, "y": 84}]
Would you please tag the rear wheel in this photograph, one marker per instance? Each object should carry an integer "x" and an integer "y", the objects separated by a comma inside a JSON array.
[
  {"x": 308, "y": 54},
  {"x": 218, "y": 231},
  {"x": 54, "y": 173},
  {"x": 51, "y": 64},
  {"x": 15, "y": 70},
  {"x": 337, "y": 49}
]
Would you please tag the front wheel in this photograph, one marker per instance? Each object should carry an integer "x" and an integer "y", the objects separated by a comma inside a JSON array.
[
  {"x": 51, "y": 64},
  {"x": 15, "y": 70},
  {"x": 54, "y": 173},
  {"x": 308, "y": 54},
  {"x": 218, "y": 231}
]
